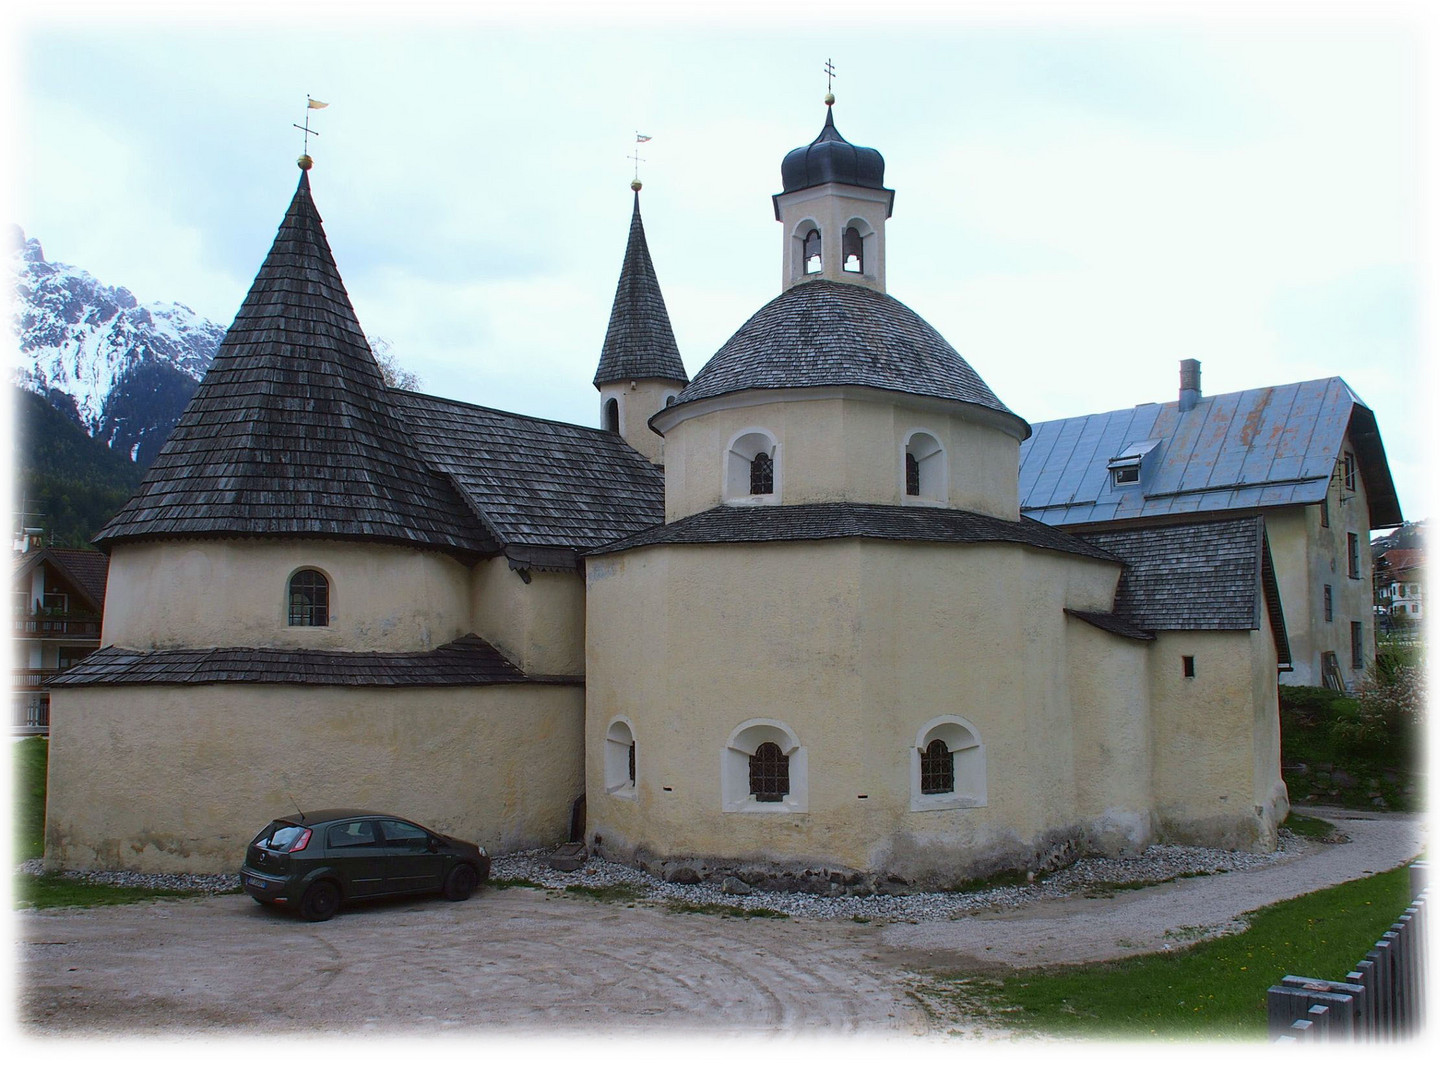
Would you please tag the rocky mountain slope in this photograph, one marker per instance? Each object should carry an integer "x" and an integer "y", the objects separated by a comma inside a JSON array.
[{"x": 123, "y": 370}]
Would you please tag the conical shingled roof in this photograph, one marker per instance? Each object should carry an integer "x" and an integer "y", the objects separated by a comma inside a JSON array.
[
  {"x": 831, "y": 333},
  {"x": 639, "y": 343},
  {"x": 290, "y": 433}
]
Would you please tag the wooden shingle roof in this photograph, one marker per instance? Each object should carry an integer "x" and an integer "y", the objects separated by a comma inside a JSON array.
[
  {"x": 291, "y": 431},
  {"x": 831, "y": 333},
  {"x": 639, "y": 342},
  {"x": 537, "y": 484},
  {"x": 467, "y": 661}
]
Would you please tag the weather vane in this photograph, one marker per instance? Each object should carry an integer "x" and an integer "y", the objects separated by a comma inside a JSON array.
[
  {"x": 829, "y": 76},
  {"x": 310, "y": 103},
  {"x": 634, "y": 156}
]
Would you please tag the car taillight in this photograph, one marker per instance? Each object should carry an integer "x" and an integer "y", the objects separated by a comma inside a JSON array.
[{"x": 304, "y": 839}]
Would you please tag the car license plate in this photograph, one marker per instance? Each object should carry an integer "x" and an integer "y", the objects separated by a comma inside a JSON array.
[{"x": 256, "y": 883}]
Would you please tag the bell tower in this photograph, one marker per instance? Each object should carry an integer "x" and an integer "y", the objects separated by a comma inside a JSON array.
[{"x": 833, "y": 209}]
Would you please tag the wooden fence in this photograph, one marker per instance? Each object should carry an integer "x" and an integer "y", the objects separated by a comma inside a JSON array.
[{"x": 1382, "y": 1000}]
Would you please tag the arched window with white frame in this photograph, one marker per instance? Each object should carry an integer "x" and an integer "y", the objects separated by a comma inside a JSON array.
[
  {"x": 752, "y": 468},
  {"x": 924, "y": 469},
  {"x": 620, "y": 758},
  {"x": 763, "y": 769},
  {"x": 307, "y": 598},
  {"x": 947, "y": 766}
]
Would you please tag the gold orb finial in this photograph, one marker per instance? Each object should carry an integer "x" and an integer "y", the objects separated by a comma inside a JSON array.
[
  {"x": 829, "y": 99},
  {"x": 635, "y": 185},
  {"x": 305, "y": 161}
]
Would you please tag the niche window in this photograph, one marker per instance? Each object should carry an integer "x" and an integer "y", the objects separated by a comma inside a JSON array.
[
  {"x": 854, "y": 251},
  {"x": 610, "y": 416},
  {"x": 947, "y": 766},
  {"x": 762, "y": 769},
  {"x": 924, "y": 462},
  {"x": 620, "y": 758},
  {"x": 812, "y": 251},
  {"x": 309, "y": 599},
  {"x": 752, "y": 469}
]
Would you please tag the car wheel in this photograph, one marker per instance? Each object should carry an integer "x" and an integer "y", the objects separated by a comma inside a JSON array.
[
  {"x": 320, "y": 902},
  {"x": 461, "y": 882}
]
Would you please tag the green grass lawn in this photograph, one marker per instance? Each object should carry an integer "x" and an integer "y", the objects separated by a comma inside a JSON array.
[
  {"x": 53, "y": 890},
  {"x": 1212, "y": 990},
  {"x": 29, "y": 762}
]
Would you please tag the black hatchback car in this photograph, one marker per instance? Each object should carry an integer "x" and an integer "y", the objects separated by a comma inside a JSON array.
[{"x": 314, "y": 862}]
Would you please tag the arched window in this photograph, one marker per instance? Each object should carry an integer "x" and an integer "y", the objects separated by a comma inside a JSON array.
[
  {"x": 752, "y": 468},
  {"x": 947, "y": 767},
  {"x": 812, "y": 251},
  {"x": 611, "y": 415},
  {"x": 308, "y": 599},
  {"x": 620, "y": 758},
  {"x": 769, "y": 773},
  {"x": 762, "y": 474},
  {"x": 762, "y": 769},
  {"x": 937, "y": 769},
  {"x": 670, "y": 401},
  {"x": 854, "y": 251},
  {"x": 925, "y": 470}
]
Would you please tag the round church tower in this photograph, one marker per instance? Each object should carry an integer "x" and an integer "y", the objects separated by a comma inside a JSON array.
[{"x": 822, "y": 655}]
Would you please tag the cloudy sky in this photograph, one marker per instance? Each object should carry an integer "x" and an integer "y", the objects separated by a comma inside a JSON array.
[{"x": 1085, "y": 195}]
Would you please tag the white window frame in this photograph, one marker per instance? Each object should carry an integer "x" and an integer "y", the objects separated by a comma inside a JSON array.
[
  {"x": 619, "y": 738},
  {"x": 735, "y": 768},
  {"x": 967, "y": 751},
  {"x": 739, "y": 453},
  {"x": 934, "y": 465}
]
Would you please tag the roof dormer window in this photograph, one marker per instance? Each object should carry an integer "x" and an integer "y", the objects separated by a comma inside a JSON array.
[{"x": 1125, "y": 466}]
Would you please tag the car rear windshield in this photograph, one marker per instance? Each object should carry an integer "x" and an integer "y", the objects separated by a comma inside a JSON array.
[{"x": 280, "y": 836}]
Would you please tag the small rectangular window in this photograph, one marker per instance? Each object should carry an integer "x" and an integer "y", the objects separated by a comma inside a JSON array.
[
  {"x": 1352, "y": 554},
  {"x": 1125, "y": 474},
  {"x": 1187, "y": 663},
  {"x": 1329, "y": 604},
  {"x": 1325, "y": 512},
  {"x": 1349, "y": 468},
  {"x": 1357, "y": 645}
]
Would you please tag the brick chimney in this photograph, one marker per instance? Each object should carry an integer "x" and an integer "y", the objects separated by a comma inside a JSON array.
[{"x": 1189, "y": 384}]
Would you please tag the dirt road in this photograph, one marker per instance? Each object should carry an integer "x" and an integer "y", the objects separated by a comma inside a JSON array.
[{"x": 525, "y": 960}]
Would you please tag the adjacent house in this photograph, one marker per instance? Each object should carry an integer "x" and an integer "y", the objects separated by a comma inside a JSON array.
[
  {"x": 1306, "y": 456},
  {"x": 785, "y": 618},
  {"x": 57, "y": 600},
  {"x": 1400, "y": 580}
]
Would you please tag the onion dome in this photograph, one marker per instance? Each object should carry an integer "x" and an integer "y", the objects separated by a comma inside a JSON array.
[
  {"x": 829, "y": 333},
  {"x": 832, "y": 160}
]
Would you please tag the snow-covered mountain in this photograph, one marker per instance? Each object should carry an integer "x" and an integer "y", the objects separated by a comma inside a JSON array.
[{"x": 124, "y": 370}]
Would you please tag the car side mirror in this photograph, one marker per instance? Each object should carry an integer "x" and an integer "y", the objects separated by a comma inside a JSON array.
[{"x": 433, "y": 845}]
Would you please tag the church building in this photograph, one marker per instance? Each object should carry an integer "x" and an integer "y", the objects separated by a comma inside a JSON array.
[{"x": 783, "y": 619}]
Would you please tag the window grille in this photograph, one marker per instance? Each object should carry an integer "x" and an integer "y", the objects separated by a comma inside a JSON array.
[
  {"x": 309, "y": 599},
  {"x": 912, "y": 475},
  {"x": 937, "y": 769},
  {"x": 854, "y": 251},
  {"x": 762, "y": 475},
  {"x": 769, "y": 773},
  {"x": 812, "y": 252}
]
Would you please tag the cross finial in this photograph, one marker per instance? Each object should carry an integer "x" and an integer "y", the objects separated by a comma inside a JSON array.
[
  {"x": 310, "y": 103},
  {"x": 829, "y": 77},
  {"x": 634, "y": 156}
]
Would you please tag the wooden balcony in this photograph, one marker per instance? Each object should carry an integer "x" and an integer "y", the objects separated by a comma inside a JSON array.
[
  {"x": 79, "y": 625},
  {"x": 31, "y": 678}
]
